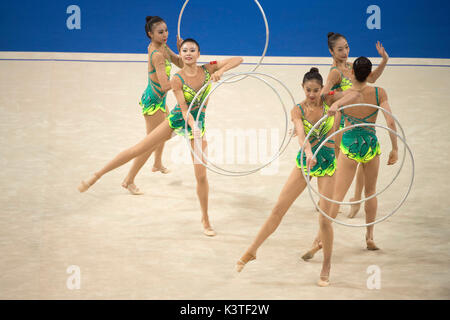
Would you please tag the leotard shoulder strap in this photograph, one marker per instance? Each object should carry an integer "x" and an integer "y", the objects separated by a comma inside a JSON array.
[
  {"x": 151, "y": 62},
  {"x": 376, "y": 95},
  {"x": 181, "y": 78},
  {"x": 301, "y": 109}
]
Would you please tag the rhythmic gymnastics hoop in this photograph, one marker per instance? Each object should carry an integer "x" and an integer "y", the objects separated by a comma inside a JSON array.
[
  {"x": 267, "y": 35},
  {"x": 337, "y": 202},
  {"x": 282, "y": 147},
  {"x": 343, "y": 129},
  {"x": 241, "y": 173}
]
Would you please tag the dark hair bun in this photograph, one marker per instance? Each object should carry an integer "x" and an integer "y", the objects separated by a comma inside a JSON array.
[
  {"x": 313, "y": 74},
  {"x": 330, "y": 34},
  {"x": 148, "y": 18},
  {"x": 362, "y": 67}
]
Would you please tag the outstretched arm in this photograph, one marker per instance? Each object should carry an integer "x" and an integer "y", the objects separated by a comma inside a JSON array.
[
  {"x": 218, "y": 68},
  {"x": 329, "y": 99},
  {"x": 375, "y": 74},
  {"x": 332, "y": 96},
  {"x": 393, "y": 155},
  {"x": 334, "y": 77},
  {"x": 347, "y": 97}
]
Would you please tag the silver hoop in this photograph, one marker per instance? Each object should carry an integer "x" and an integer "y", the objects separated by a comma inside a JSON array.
[
  {"x": 400, "y": 203},
  {"x": 344, "y": 129},
  {"x": 267, "y": 35},
  {"x": 229, "y": 76}
]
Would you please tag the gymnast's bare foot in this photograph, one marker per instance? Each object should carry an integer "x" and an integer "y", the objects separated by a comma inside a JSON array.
[
  {"x": 161, "y": 169},
  {"x": 317, "y": 245},
  {"x": 207, "y": 229},
  {"x": 354, "y": 208},
  {"x": 324, "y": 279},
  {"x": 247, "y": 257},
  {"x": 86, "y": 184},
  {"x": 131, "y": 187},
  {"x": 371, "y": 244}
]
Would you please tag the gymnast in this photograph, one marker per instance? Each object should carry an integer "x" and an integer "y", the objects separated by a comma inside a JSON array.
[
  {"x": 304, "y": 116},
  {"x": 358, "y": 146},
  {"x": 185, "y": 85},
  {"x": 340, "y": 79},
  {"x": 153, "y": 100}
]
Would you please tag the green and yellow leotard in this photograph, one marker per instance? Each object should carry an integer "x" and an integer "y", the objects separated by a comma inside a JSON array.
[
  {"x": 153, "y": 98},
  {"x": 175, "y": 118},
  {"x": 345, "y": 84},
  {"x": 326, "y": 160},
  {"x": 360, "y": 143}
]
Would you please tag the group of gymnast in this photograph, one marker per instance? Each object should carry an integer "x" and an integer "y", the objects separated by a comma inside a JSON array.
[{"x": 354, "y": 151}]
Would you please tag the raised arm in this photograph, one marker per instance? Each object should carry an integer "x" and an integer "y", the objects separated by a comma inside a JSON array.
[
  {"x": 300, "y": 131},
  {"x": 375, "y": 74},
  {"x": 393, "y": 155},
  {"x": 218, "y": 68},
  {"x": 176, "y": 59},
  {"x": 160, "y": 66},
  {"x": 334, "y": 77}
]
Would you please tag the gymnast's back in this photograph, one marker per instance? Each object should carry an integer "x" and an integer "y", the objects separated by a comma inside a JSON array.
[{"x": 366, "y": 95}]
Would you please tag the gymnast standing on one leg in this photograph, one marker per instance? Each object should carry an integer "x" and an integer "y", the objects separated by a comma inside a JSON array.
[
  {"x": 153, "y": 100},
  {"x": 358, "y": 146},
  {"x": 304, "y": 115},
  {"x": 185, "y": 85}
]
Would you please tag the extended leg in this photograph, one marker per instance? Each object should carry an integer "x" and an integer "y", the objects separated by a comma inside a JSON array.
[
  {"x": 291, "y": 190},
  {"x": 148, "y": 144}
]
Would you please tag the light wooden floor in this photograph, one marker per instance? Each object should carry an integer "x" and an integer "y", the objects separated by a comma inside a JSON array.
[{"x": 63, "y": 119}]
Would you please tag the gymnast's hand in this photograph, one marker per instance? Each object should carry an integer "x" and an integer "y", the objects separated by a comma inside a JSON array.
[
  {"x": 393, "y": 157},
  {"x": 292, "y": 132},
  {"x": 381, "y": 51},
  {"x": 197, "y": 133},
  {"x": 333, "y": 109},
  {"x": 216, "y": 75},
  {"x": 179, "y": 42},
  {"x": 310, "y": 161}
]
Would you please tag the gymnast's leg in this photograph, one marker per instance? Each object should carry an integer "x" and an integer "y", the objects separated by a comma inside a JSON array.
[
  {"x": 291, "y": 190},
  {"x": 326, "y": 188},
  {"x": 344, "y": 175},
  {"x": 162, "y": 133},
  {"x": 151, "y": 123},
  {"x": 202, "y": 183},
  {"x": 359, "y": 185},
  {"x": 370, "y": 184},
  {"x": 157, "y": 118}
]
